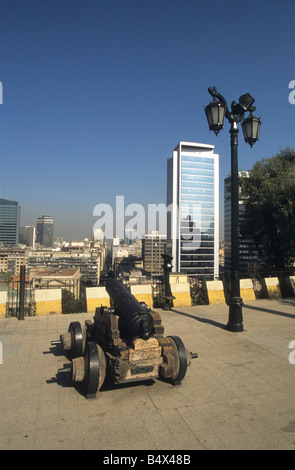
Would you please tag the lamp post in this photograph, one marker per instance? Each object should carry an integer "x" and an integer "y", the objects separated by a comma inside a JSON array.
[
  {"x": 22, "y": 287},
  {"x": 167, "y": 266},
  {"x": 215, "y": 112}
]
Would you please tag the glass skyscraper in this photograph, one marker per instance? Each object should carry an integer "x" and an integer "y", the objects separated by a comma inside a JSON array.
[
  {"x": 193, "y": 210},
  {"x": 9, "y": 222},
  {"x": 45, "y": 230}
]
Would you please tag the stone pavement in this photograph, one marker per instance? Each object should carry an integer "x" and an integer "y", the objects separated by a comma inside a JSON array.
[{"x": 238, "y": 394}]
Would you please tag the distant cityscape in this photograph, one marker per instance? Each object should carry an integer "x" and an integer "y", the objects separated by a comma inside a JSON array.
[{"x": 192, "y": 236}]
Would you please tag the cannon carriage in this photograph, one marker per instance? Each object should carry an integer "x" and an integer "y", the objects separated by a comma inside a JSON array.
[{"x": 124, "y": 343}]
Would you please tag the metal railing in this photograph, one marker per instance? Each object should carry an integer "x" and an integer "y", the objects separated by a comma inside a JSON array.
[{"x": 14, "y": 298}]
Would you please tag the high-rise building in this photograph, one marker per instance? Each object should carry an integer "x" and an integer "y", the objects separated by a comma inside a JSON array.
[
  {"x": 247, "y": 257},
  {"x": 27, "y": 235},
  {"x": 9, "y": 222},
  {"x": 45, "y": 230},
  {"x": 193, "y": 218},
  {"x": 153, "y": 246}
]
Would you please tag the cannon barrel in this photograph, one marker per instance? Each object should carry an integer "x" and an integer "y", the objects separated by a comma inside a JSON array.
[{"x": 135, "y": 319}]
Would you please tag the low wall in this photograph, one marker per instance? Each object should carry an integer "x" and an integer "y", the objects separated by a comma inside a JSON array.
[
  {"x": 3, "y": 299},
  {"x": 181, "y": 292},
  {"x": 96, "y": 297},
  {"x": 143, "y": 293},
  {"x": 273, "y": 287},
  {"x": 215, "y": 292},
  {"x": 247, "y": 290},
  {"x": 48, "y": 301},
  {"x": 292, "y": 281}
]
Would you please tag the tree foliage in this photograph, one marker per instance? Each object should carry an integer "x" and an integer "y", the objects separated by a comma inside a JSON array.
[
  {"x": 199, "y": 295},
  {"x": 72, "y": 305},
  {"x": 270, "y": 205}
]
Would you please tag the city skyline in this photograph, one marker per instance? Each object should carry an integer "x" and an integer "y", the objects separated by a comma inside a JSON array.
[{"x": 95, "y": 95}]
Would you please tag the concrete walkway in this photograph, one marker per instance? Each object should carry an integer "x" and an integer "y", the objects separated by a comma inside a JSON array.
[{"x": 238, "y": 394}]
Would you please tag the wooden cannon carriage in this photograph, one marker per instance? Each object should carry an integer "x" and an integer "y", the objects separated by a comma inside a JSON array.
[{"x": 124, "y": 343}]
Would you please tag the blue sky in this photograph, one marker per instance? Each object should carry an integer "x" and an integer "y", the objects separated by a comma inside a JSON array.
[{"x": 96, "y": 94}]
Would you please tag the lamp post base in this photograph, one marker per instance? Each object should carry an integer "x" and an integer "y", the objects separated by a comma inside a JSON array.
[{"x": 235, "y": 319}]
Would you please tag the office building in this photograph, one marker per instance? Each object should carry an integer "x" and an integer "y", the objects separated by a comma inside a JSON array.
[
  {"x": 9, "y": 222},
  {"x": 153, "y": 246},
  {"x": 27, "y": 235},
  {"x": 193, "y": 218},
  {"x": 45, "y": 230},
  {"x": 247, "y": 256}
]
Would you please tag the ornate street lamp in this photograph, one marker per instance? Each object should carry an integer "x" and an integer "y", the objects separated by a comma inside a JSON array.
[
  {"x": 167, "y": 266},
  {"x": 215, "y": 112},
  {"x": 251, "y": 129},
  {"x": 215, "y": 115}
]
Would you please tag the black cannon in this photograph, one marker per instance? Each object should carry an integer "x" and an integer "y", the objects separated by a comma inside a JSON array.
[
  {"x": 124, "y": 343},
  {"x": 134, "y": 317}
]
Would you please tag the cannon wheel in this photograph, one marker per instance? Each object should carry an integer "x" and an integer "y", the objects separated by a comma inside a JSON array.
[
  {"x": 182, "y": 356},
  {"x": 95, "y": 369},
  {"x": 76, "y": 339}
]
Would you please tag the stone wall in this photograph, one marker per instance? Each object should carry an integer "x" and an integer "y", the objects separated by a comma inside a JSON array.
[
  {"x": 48, "y": 301},
  {"x": 3, "y": 298},
  {"x": 247, "y": 290},
  {"x": 143, "y": 293},
  {"x": 96, "y": 297},
  {"x": 273, "y": 287},
  {"x": 181, "y": 294},
  {"x": 215, "y": 292}
]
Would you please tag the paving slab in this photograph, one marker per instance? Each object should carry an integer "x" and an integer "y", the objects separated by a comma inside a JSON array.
[{"x": 237, "y": 395}]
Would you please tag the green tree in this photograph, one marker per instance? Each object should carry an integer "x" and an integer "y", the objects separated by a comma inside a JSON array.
[
  {"x": 270, "y": 205},
  {"x": 70, "y": 304},
  {"x": 199, "y": 295}
]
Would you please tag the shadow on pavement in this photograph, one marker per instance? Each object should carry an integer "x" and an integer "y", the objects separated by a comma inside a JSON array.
[
  {"x": 289, "y": 302},
  {"x": 200, "y": 319}
]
